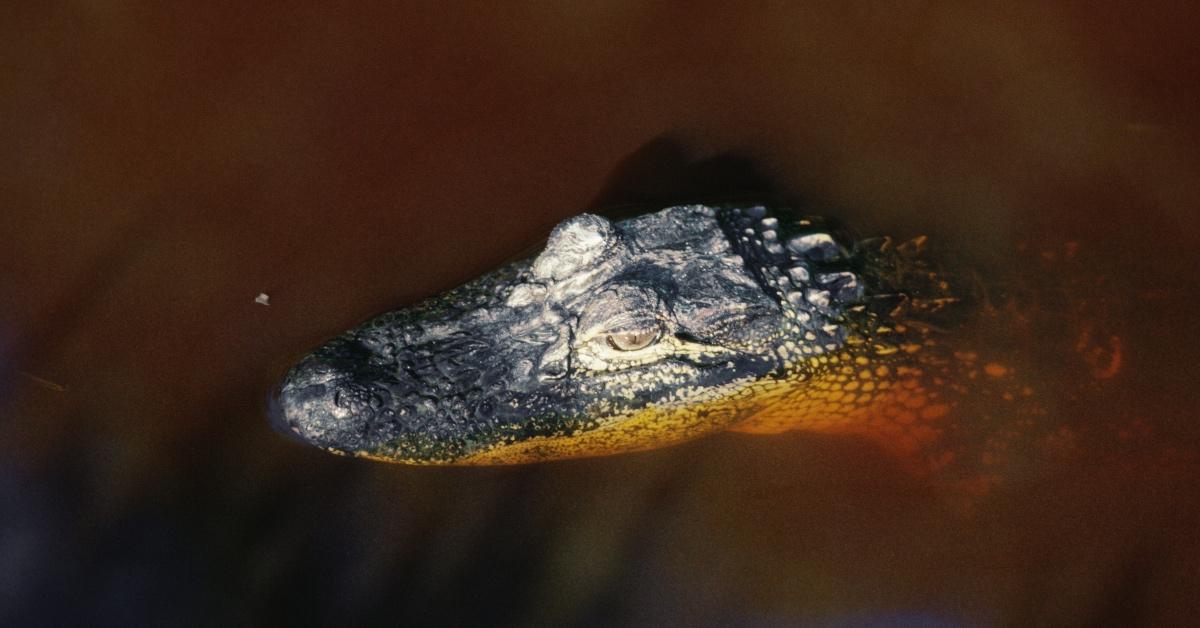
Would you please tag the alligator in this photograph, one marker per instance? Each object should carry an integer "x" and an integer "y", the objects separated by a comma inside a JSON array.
[{"x": 633, "y": 334}]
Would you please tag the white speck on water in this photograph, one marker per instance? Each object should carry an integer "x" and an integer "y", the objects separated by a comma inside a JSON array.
[{"x": 262, "y": 299}]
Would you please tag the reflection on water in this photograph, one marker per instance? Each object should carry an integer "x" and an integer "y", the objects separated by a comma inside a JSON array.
[{"x": 1048, "y": 156}]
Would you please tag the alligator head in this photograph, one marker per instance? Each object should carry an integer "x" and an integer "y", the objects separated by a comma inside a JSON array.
[{"x": 618, "y": 336}]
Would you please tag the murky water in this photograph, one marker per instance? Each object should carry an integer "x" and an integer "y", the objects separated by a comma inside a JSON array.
[{"x": 168, "y": 165}]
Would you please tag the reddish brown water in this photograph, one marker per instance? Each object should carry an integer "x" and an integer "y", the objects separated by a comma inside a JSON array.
[{"x": 163, "y": 166}]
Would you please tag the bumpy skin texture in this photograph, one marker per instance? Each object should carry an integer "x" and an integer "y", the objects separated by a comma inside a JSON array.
[{"x": 616, "y": 337}]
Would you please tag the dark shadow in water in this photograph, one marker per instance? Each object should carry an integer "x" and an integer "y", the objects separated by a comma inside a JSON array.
[{"x": 663, "y": 172}]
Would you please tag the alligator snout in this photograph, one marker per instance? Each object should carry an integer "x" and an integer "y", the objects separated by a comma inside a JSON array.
[
  {"x": 328, "y": 401},
  {"x": 432, "y": 400}
]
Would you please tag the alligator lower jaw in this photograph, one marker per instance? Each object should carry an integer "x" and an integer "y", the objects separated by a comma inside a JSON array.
[{"x": 652, "y": 427}]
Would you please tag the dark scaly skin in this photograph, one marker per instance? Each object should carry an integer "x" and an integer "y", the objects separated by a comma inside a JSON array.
[{"x": 635, "y": 335}]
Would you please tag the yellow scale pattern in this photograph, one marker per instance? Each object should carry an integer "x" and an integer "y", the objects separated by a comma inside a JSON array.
[
  {"x": 881, "y": 392},
  {"x": 889, "y": 402}
]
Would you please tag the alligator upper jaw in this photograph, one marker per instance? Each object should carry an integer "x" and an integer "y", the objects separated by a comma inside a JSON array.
[{"x": 428, "y": 384}]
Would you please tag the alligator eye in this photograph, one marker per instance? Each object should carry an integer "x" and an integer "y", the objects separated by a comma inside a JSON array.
[{"x": 632, "y": 340}]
